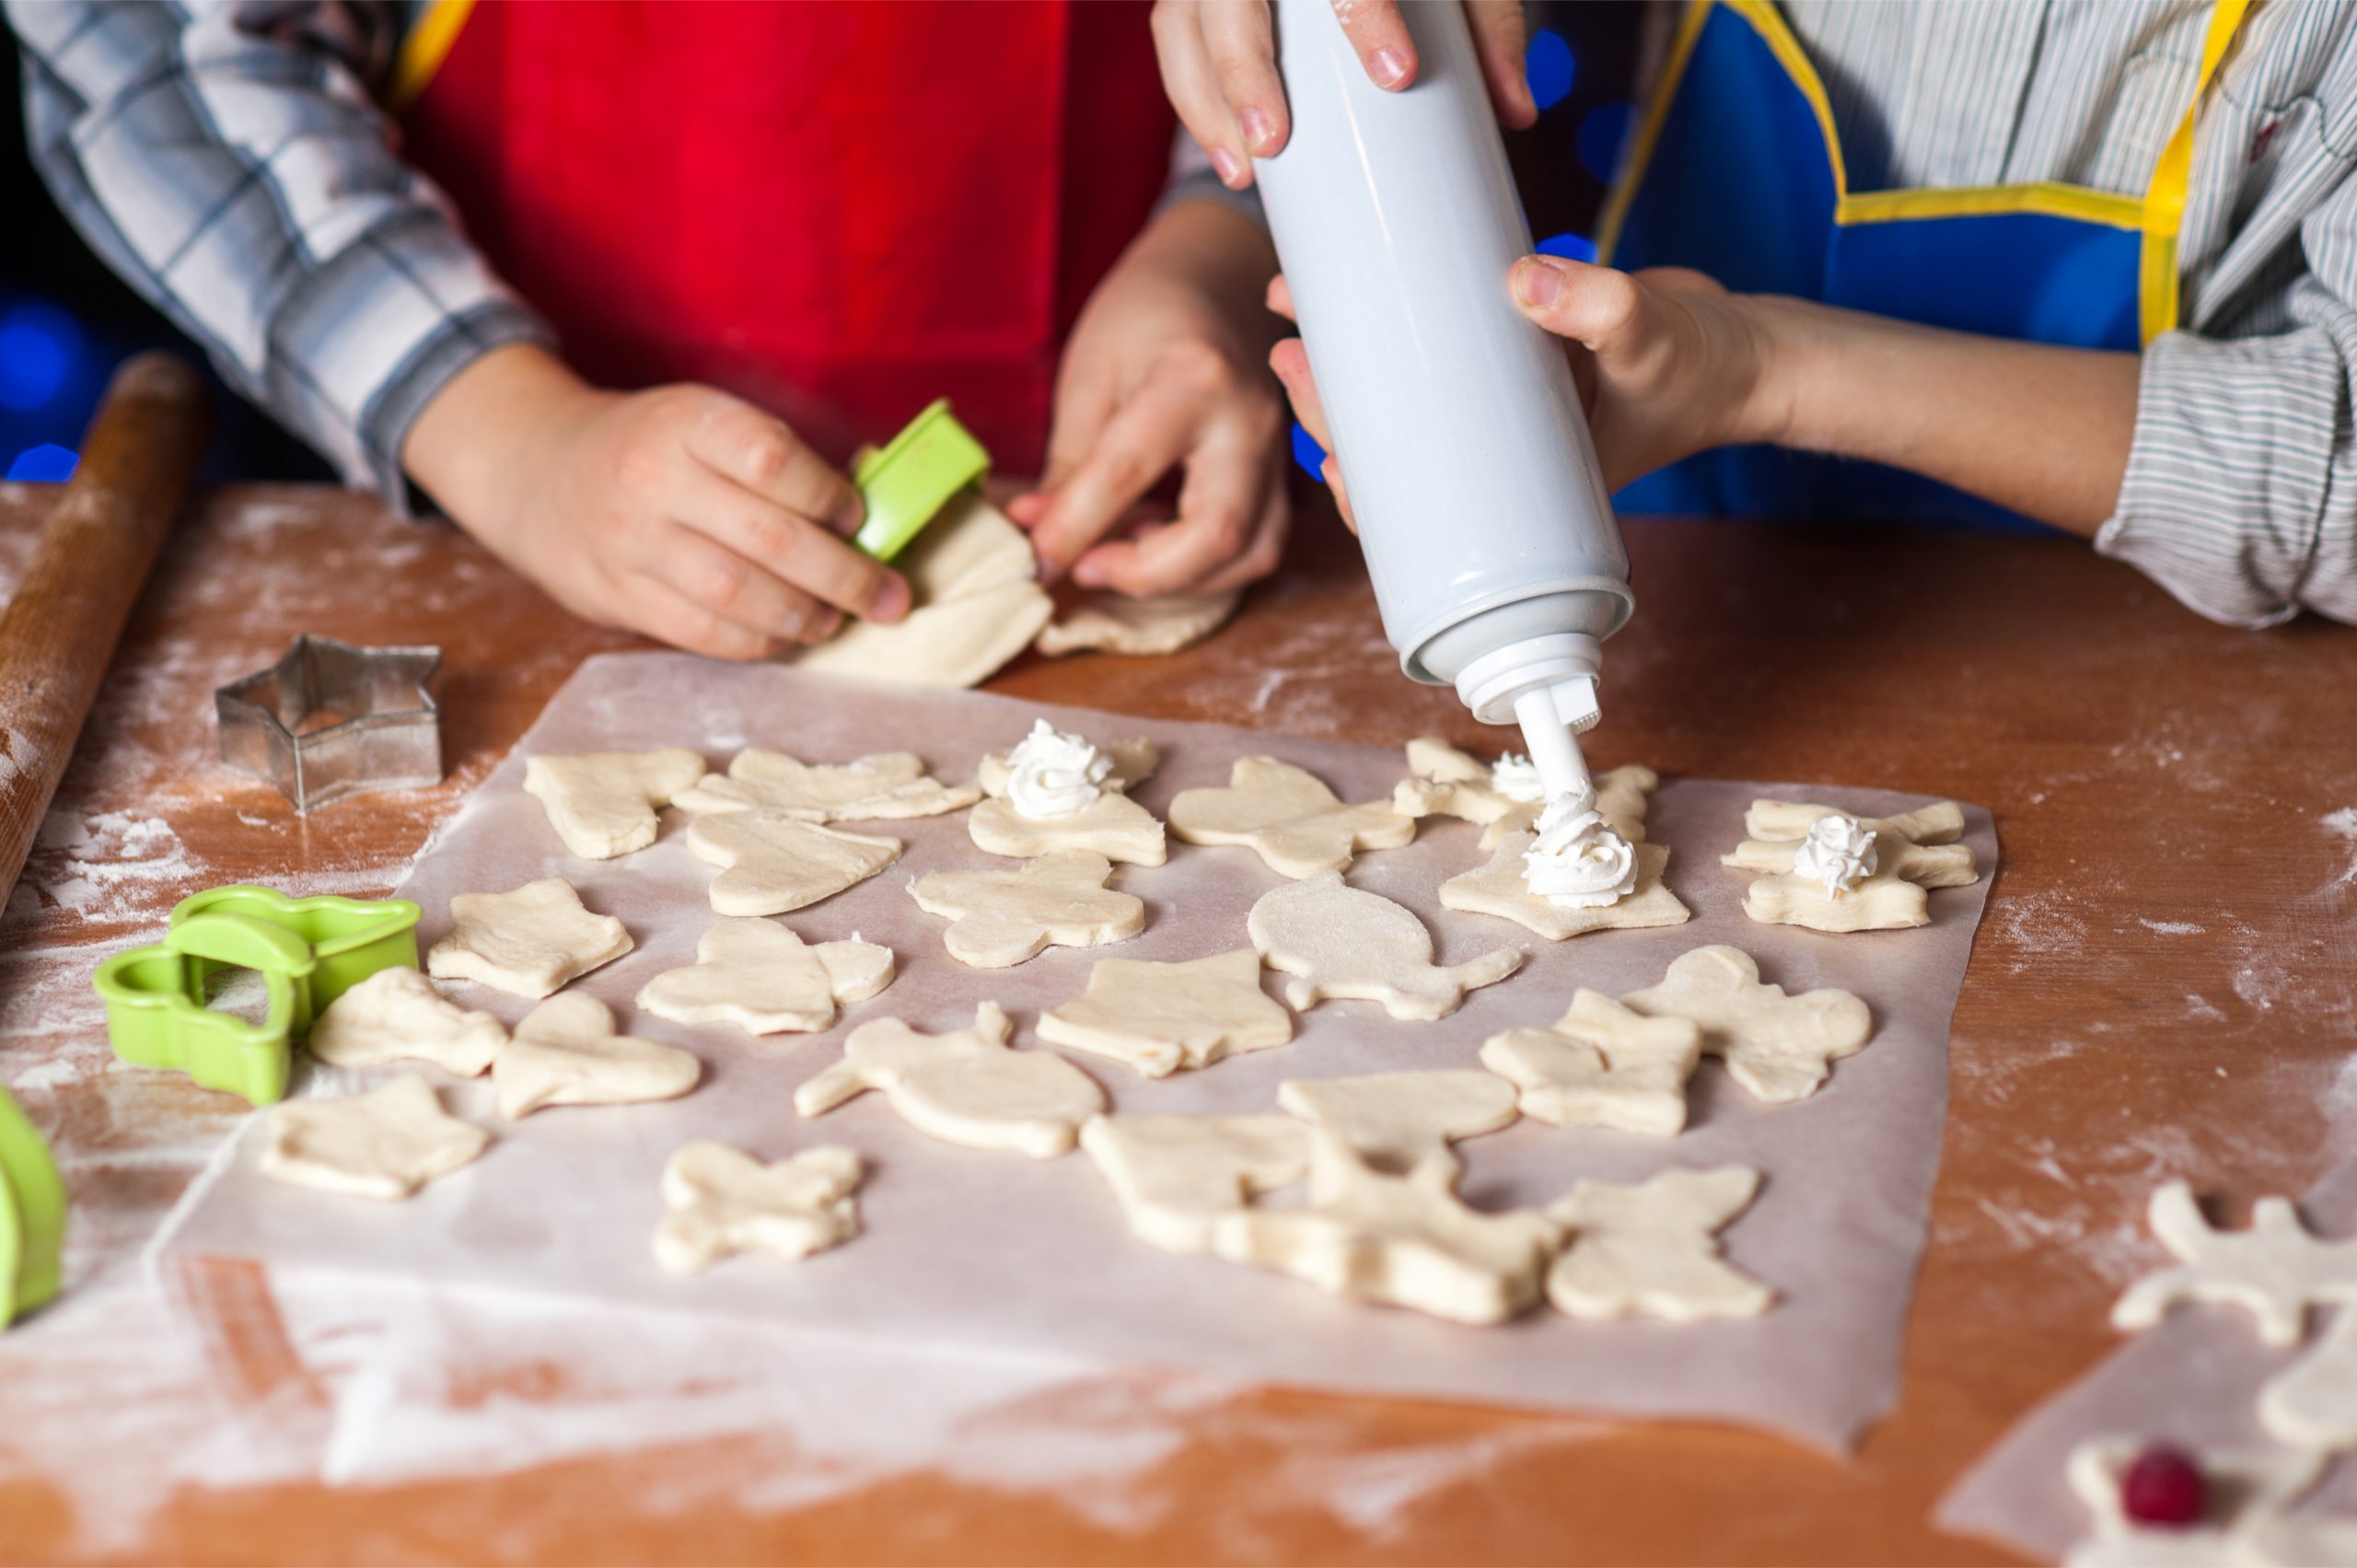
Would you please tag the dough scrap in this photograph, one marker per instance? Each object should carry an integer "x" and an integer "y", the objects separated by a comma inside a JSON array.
[
  {"x": 1498, "y": 888},
  {"x": 1345, "y": 943},
  {"x": 1288, "y": 817},
  {"x": 1650, "y": 1249},
  {"x": 771, "y": 864},
  {"x": 724, "y": 1200},
  {"x": 603, "y": 804},
  {"x": 1914, "y": 851},
  {"x": 965, "y": 1087},
  {"x": 1162, "y": 1017},
  {"x": 2246, "y": 1526},
  {"x": 567, "y": 1052},
  {"x": 974, "y": 584},
  {"x": 1778, "y": 1047},
  {"x": 999, "y": 919},
  {"x": 1397, "y": 1240},
  {"x": 890, "y": 785},
  {"x": 1601, "y": 1066},
  {"x": 386, "y": 1143},
  {"x": 757, "y": 974},
  {"x": 2312, "y": 1402},
  {"x": 1401, "y": 1123},
  {"x": 2275, "y": 1268},
  {"x": 1176, "y": 1174},
  {"x": 527, "y": 941},
  {"x": 1120, "y": 624},
  {"x": 397, "y": 1015}
]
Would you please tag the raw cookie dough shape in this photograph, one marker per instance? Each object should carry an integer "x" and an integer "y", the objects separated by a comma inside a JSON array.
[
  {"x": 1176, "y": 1174},
  {"x": 771, "y": 864},
  {"x": 1400, "y": 1122},
  {"x": 2312, "y": 1402},
  {"x": 526, "y": 942},
  {"x": 1112, "y": 825},
  {"x": 758, "y": 975},
  {"x": 724, "y": 1200},
  {"x": 566, "y": 1052},
  {"x": 1397, "y": 1240},
  {"x": 1601, "y": 1066},
  {"x": 1444, "y": 781},
  {"x": 1135, "y": 760},
  {"x": 1498, "y": 888},
  {"x": 1120, "y": 624},
  {"x": 1162, "y": 1018},
  {"x": 999, "y": 919},
  {"x": 1778, "y": 1047},
  {"x": 2275, "y": 1268},
  {"x": 1651, "y": 1249},
  {"x": 1288, "y": 817},
  {"x": 603, "y": 804},
  {"x": 890, "y": 785},
  {"x": 397, "y": 1015},
  {"x": 1914, "y": 851},
  {"x": 1345, "y": 943},
  {"x": 2246, "y": 1523},
  {"x": 386, "y": 1143},
  {"x": 963, "y": 1087},
  {"x": 974, "y": 583}
]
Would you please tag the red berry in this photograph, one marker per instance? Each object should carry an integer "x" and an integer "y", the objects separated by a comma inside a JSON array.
[{"x": 2164, "y": 1487}]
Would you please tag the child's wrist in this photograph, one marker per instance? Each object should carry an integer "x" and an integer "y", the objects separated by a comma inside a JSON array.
[
  {"x": 472, "y": 442},
  {"x": 1777, "y": 412}
]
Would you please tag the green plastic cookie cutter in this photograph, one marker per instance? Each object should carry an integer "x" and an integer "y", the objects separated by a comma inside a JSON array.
[
  {"x": 32, "y": 1215},
  {"x": 309, "y": 952},
  {"x": 907, "y": 482}
]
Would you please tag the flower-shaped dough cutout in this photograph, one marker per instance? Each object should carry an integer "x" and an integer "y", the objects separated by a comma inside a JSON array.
[
  {"x": 1399, "y": 1123},
  {"x": 1162, "y": 1017},
  {"x": 1341, "y": 943},
  {"x": 758, "y": 975},
  {"x": 603, "y": 804},
  {"x": 723, "y": 1200},
  {"x": 2275, "y": 1268},
  {"x": 772, "y": 865},
  {"x": 1778, "y": 1047},
  {"x": 963, "y": 1087},
  {"x": 1176, "y": 1174},
  {"x": 1914, "y": 851},
  {"x": 527, "y": 941},
  {"x": 998, "y": 919},
  {"x": 1499, "y": 887},
  {"x": 1112, "y": 825},
  {"x": 567, "y": 1052},
  {"x": 1287, "y": 817},
  {"x": 888, "y": 786},
  {"x": 385, "y": 1145},
  {"x": 1601, "y": 1064},
  {"x": 398, "y": 1013},
  {"x": 1650, "y": 1249}
]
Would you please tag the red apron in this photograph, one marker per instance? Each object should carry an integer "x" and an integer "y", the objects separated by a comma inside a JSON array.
[{"x": 840, "y": 211}]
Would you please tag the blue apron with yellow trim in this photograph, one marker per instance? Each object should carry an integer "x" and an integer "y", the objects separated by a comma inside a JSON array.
[{"x": 1738, "y": 172}]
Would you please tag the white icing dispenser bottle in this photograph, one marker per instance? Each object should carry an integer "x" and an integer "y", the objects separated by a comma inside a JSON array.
[{"x": 1497, "y": 563}]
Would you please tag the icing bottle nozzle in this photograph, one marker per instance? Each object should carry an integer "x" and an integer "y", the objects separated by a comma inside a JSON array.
[{"x": 1547, "y": 685}]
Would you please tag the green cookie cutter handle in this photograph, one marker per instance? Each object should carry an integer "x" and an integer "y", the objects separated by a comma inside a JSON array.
[
  {"x": 156, "y": 1015},
  {"x": 350, "y": 939},
  {"x": 32, "y": 1215},
  {"x": 908, "y": 483}
]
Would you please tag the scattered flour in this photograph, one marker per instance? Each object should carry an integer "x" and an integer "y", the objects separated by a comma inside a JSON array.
[
  {"x": 2342, "y": 825},
  {"x": 2171, "y": 927}
]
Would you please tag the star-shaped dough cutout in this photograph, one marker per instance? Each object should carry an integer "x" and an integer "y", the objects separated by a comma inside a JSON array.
[
  {"x": 1914, "y": 851},
  {"x": 1287, "y": 817},
  {"x": 888, "y": 786},
  {"x": 965, "y": 1087},
  {"x": 758, "y": 975},
  {"x": 1651, "y": 1249},
  {"x": 1601, "y": 1066},
  {"x": 1344, "y": 943},
  {"x": 2275, "y": 1270},
  {"x": 1176, "y": 1174},
  {"x": 1444, "y": 781},
  {"x": 398, "y": 1013},
  {"x": 1112, "y": 825},
  {"x": 1400, "y": 1122},
  {"x": 723, "y": 1200},
  {"x": 1164, "y": 1017},
  {"x": 773, "y": 865},
  {"x": 567, "y": 1052},
  {"x": 526, "y": 942},
  {"x": 1499, "y": 889},
  {"x": 999, "y": 919},
  {"x": 603, "y": 804},
  {"x": 1778, "y": 1047},
  {"x": 385, "y": 1145}
]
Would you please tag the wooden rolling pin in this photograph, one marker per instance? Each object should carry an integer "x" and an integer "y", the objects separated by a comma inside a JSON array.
[{"x": 95, "y": 553}]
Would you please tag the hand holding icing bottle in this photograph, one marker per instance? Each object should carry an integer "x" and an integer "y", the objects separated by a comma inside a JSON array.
[{"x": 1496, "y": 560}]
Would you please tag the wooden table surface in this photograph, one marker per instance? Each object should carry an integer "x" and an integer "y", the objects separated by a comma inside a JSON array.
[{"x": 2166, "y": 985}]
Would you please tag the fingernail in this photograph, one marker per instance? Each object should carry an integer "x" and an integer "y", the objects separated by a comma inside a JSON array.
[
  {"x": 1231, "y": 172},
  {"x": 1391, "y": 67},
  {"x": 1537, "y": 283},
  {"x": 1258, "y": 130}
]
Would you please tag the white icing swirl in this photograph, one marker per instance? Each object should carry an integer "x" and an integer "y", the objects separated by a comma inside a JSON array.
[
  {"x": 1515, "y": 777},
  {"x": 1579, "y": 860},
  {"x": 1050, "y": 774},
  {"x": 1839, "y": 852}
]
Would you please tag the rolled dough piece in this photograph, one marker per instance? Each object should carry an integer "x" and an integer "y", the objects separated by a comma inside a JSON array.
[
  {"x": 2312, "y": 1402},
  {"x": 2246, "y": 1524},
  {"x": 566, "y": 1052},
  {"x": 1498, "y": 888},
  {"x": 1914, "y": 851},
  {"x": 1400, "y": 1122},
  {"x": 1601, "y": 1066},
  {"x": 1120, "y": 624},
  {"x": 1396, "y": 1240},
  {"x": 888, "y": 786},
  {"x": 1342, "y": 943},
  {"x": 1778, "y": 1047},
  {"x": 1134, "y": 761},
  {"x": 757, "y": 974},
  {"x": 386, "y": 1143},
  {"x": 603, "y": 804},
  {"x": 2275, "y": 1268},
  {"x": 999, "y": 919},
  {"x": 724, "y": 1200},
  {"x": 1288, "y": 817},
  {"x": 974, "y": 583},
  {"x": 397, "y": 1015},
  {"x": 965, "y": 1087},
  {"x": 1176, "y": 1174},
  {"x": 1161, "y": 1018},
  {"x": 526, "y": 942},
  {"x": 772, "y": 865},
  {"x": 1651, "y": 1249}
]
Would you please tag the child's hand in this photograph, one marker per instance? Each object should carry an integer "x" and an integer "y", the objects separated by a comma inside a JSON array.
[
  {"x": 1164, "y": 370},
  {"x": 681, "y": 513}
]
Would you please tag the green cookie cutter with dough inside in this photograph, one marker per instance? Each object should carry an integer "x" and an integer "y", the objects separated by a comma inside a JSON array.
[
  {"x": 32, "y": 1215},
  {"x": 905, "y": 484}
]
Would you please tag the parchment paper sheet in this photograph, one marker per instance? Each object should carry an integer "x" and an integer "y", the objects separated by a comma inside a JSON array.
[
  {"x": 1000, "y": 1255},
  {"x": 2193, "y": 1379}
]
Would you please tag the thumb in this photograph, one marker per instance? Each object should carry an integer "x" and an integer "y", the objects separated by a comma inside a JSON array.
[{"x": 1588, "y": 304}]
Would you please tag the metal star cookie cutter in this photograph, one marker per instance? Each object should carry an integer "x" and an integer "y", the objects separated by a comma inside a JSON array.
[{"x": 330, "y": 720}]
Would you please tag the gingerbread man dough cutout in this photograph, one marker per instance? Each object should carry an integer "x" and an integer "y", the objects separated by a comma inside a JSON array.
[
  {"x": 1344, "y": 943},
  {"x": 1651, "y": 1249},
  {"x": 1778, "y": 1047},
  {"x": 1162, "y": 1017},
  {"x": 1601, "y": 1066},
  {"x": 758, "y": 975},
  {"x": 1176, "y": 1174},
  {"x": 385, "y": 1145},
  {"x": 1914, "y": 851},
  {"x": 526, "y": 942},
  {"x": 2275, "y": 1268},
  {"x": 772, "y": 865},
  {"x": 724, "y": 1200},
  {"x": 999, "y": 919},
  {"x": 603, "y": 804},
  {"x": 965, "y": 1087},
  {"x": 888, "y": 786},
  {"x": 567, "y": 1052},
  {"x": 1287, "y": 817}
]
